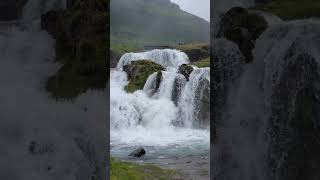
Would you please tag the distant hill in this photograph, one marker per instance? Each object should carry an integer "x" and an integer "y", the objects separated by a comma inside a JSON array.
[{"x": 154, "y": 22}]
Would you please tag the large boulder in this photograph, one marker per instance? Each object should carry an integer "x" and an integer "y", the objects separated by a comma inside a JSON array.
[
  {"x": 138, "y": 73},
  {"x": 185, "y": 70},
  {"x": 138, "y": 153},
  {"x": 243, "y": 28},
  {"x": 81, "y": 35}
]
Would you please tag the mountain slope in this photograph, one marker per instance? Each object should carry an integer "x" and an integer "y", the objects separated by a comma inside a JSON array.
[{"x": 155, "y": 22}]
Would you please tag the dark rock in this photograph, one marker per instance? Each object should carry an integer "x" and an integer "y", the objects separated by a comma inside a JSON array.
[
  {"x": 203, "y": 115},
  {"x": 243, "y": 28},
  {"x": 138, "y": 153},
  {"x": 179, "y": 83},
  {"x": 185, "y": 70},
  {"x": 11, "y": 9}
]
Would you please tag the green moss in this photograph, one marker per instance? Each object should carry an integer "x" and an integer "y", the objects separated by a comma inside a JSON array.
[
  {"x": 292, "y": 9},
  {"x": 202, "y": 63},
  {"x": 129, "y": 171},
  {"x": 138, "y": 73}
]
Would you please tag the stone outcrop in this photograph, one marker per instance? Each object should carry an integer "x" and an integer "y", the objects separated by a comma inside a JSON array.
[
  {"x": 138, "y": 73},
  {"x": 185, "y": 70}
]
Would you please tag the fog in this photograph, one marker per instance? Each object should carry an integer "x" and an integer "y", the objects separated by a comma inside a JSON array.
[{"x": 199, "y": 8}]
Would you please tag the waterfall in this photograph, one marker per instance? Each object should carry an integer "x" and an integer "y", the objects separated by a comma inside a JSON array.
[
  {"x": 192, "y": 95},
  {"x": 271, "y": 114},
  {"x": 154, "y": 117},
  {"x": 166, "y": 58},
  {"x": 64, "y": 135}
]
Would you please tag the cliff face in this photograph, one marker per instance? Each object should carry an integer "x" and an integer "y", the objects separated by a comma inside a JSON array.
[{"x": 81, "y": 32}]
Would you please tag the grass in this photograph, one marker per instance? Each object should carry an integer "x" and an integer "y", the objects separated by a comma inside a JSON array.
[
  {"x": 191, "y": 46},
  {"x": 202, "y": 63},
  {"x": 292, "y": 9},
  {"x": 129, "y": 171}
]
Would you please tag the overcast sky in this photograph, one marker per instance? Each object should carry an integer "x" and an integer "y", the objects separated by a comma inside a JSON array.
[{"x": 200, "y": 8}]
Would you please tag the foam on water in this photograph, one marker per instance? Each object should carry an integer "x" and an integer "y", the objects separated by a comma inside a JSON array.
[{"x": 146, "y": 119}]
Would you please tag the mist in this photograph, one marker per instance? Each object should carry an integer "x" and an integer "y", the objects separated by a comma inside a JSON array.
[{"x": 199, "y": 8}]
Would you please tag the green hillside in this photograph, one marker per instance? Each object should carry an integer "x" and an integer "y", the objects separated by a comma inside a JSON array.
[{"x": 156, "y": 22}]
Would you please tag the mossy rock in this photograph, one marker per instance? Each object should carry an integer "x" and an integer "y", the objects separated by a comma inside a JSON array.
[
  {"x": 195, "y": 52},
  {"x": 138, "y": 73},
  {"x": 120, "y": 170},
  {"x": 185, "y": 70},
  {"x": 81, "y": 33},
  {"x": 242, "y": 28}
]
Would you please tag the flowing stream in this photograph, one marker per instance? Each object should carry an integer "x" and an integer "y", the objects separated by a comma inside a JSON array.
[{"x": 162, "y": 122}]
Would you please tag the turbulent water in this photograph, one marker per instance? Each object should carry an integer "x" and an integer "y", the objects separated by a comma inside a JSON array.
[
  {"x": 154, "y": 120},
  {"x": 266, "y": 126},
  {"x": 67, "y": 142}
]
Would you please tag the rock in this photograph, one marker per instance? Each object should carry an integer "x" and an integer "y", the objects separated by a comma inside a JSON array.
[
  {"x": 179, "y": 83},
  {"x": 138, "y": 153},
  {"x": 138, "y": 73},
  {"x": 243, "y": 28},
  {"x": 11, "y": 9},
  {"x": 195, "y": 52},
  {"x": 203, "y": 115},
  {"x": 185, "y": 70},
  {"x": 81, "y": 34}
]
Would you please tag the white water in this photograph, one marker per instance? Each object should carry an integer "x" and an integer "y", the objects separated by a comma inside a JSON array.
[
  {"x": 28, "y": 114},
  {"x": 147, "y": 119},
  {"x": 166, "y": 58}
]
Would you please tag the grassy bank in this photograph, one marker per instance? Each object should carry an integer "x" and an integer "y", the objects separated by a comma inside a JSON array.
[{"x": 129, "y": 171}]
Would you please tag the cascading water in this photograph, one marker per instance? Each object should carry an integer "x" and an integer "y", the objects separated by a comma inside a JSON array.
[
  {"x": 149, "y": 117},
  {"x": 49, "y": 139}
]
